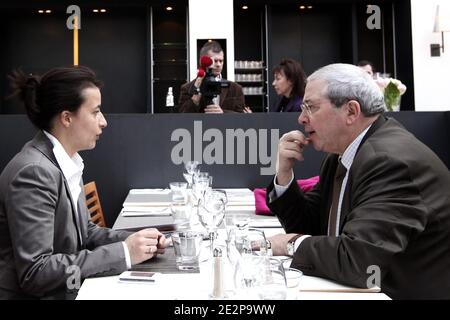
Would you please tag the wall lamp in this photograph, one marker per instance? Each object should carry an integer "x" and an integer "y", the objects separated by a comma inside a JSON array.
[{"x": 440, "y": 25}]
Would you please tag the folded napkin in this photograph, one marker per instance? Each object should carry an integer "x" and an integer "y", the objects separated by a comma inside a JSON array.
[
  {"x": 260, "y": 195},
  {"x": 146, "y": 211}
]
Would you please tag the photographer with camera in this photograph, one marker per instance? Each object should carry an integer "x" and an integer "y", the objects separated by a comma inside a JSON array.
[{"x": 209, "y": 93}]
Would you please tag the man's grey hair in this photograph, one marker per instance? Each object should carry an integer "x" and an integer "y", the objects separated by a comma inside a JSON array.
[
  {"x": 213, "y": 46},
  {"x": 348, "y": 82}
]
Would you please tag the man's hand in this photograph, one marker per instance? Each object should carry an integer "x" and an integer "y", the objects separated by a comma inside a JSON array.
[
  {"x": 145, "y": 244},
  {"x": 162, "y": 244},
  {"x": 279, "y": 243},
  {"x": 290, "y": 149},
  {"x": 247, "y": 109},
  {"x": 196, "y": 99},
  {"x": 197, "y": 83},
  {"x": 212, "y": 108}
]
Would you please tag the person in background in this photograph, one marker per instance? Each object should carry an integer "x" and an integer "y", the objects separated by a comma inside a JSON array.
[
  {"x": 367, "y": 66},
  {"x": 47, "y": 241},
  {"x": 289, "y": 83},
  {"x": 231, "y": 99},
  {"x": 380, "y": 214}
]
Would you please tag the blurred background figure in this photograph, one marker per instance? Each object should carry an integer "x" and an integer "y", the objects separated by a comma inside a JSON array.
[
  {"x": 367, "y": 66},
  {"x": 289, "y": 83},
  {"x": 231, "y": 98}
]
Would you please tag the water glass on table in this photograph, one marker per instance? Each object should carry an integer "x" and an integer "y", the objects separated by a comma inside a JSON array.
[
  {"x": 179, "y": 203},
  {"x": 201, "y": 183},
  {"x": 273, "y": 284},
  {"x": 236, "y": 222},
  {"x": 260, "y": 277},
  {"x": 187, "y": 246},
  {"x": 211, "y": 212},
  {"x": 252, "y": 241},
  {"x": 192, "y": 168}
]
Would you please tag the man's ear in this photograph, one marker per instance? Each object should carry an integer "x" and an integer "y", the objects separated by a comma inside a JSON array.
[
  {"x": 65, "y": 118},
  {"x": 353, "y": 111}
]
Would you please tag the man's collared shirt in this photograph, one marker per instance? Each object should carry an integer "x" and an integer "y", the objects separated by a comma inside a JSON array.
[
  {"x": 216, "y": 99},
  {"x": 347, "y": 160}
]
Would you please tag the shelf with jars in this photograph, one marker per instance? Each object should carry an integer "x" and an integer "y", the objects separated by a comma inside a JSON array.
[{"x": 251, "y": 75}]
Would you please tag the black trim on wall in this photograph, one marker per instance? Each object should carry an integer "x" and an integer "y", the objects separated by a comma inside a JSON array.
[{"x": 404, "y": 58}]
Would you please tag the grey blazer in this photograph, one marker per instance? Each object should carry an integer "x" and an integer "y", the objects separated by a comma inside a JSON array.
[{"x": 41, "y": 235}]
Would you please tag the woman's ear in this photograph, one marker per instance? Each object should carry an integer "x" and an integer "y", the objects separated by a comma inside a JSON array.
[
  {"x": 353, "y": 111},
  {"x": 65, "y": 118}
]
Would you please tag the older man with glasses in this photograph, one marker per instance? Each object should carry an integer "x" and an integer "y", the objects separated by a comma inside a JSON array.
[{"x": 380, "y": 214}]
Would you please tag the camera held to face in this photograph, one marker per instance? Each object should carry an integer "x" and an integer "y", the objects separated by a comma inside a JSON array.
[{"x": 212, "y": 87}]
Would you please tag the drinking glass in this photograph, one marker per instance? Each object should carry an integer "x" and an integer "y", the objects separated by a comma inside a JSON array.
[
  {"x": 222, "y": 193},
  {"x": 293, "y": 277},
  {"x": 201, "y": 183},
  {"x": 249, "y": 275},
  {"x": 251, "y": 241},
  {"x": 211, "y": 212},
  {"x": 236, "y": 226},
  {"x": 272, "y": 285},
  {"x": 178, "y": 190},
  {"x": 187, "y": 246},
  {"x": 240, "y": 221},
  {"x": 179, "y": 205},
  {"x": 192, "y": 167}
]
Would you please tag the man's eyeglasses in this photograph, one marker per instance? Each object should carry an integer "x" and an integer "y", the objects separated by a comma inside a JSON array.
[{"x": 308, "y": 109}]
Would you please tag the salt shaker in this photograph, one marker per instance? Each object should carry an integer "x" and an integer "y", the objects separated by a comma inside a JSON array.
[
  {"x": 218, "y": 289},
  {"x": 269, "y": 248}
]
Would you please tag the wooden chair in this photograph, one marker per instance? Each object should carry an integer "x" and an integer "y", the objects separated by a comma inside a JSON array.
[{"x": 93, "y": 204}]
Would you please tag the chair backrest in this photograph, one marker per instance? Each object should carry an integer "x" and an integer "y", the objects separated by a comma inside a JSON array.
[{"x": 93, "y": 204}]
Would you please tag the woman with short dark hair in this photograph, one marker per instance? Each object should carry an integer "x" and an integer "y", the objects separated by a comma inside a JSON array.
[{"x": 289, "y": 83}]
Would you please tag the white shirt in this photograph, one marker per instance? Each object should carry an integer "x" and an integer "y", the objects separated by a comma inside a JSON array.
[
  {"x": 347, "y": 160},
  {"x": 72, "y": 169},
  {"x": 216, "y": 100}
]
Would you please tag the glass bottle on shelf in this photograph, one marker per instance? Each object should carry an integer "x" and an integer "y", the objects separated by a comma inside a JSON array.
[{"x": 169, "y": 99}]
